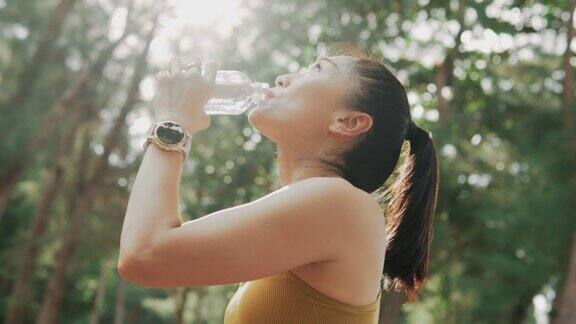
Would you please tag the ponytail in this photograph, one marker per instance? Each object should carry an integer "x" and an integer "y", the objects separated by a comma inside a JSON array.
[
  {"x": 411, "y": 211},
  {"x": 371, "y": 161}
]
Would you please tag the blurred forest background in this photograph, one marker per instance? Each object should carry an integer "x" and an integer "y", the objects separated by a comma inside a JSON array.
[{"x": 491, "y": 79}]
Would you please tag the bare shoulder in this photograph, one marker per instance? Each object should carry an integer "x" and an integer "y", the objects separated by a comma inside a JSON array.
[
  {"x": 333, "y": 188},
  {"x": 340, "y": 186},
  {"x": 352, "y": 206}
]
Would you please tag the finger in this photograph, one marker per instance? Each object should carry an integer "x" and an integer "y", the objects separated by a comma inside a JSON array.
[
  {"x": 160, "y": 75},
  {"x": 196, "y": 63},
  {"x": 210, "y": 71},
  {"x": 175, "y": 65},
  {"x": 192, "y": 67},
  {"x": 161, "y": 78}
]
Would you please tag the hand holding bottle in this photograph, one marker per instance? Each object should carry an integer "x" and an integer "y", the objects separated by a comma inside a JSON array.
[{"x": 182, "y": 92}]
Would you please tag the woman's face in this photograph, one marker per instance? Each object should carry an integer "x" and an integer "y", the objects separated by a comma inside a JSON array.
[{"x": 305, "y": 105}]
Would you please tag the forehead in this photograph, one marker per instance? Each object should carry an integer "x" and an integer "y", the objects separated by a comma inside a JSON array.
[
  {"x": 342, "y": 61},
  {"x": 340, "y": 78},
  {"x": 344, "y": 64}
]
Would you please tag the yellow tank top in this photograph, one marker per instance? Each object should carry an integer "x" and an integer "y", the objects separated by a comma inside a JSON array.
[{"x": 285, "y": 298}]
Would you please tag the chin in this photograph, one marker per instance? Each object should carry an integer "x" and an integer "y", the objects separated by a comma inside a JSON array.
[
  {"x": 262, "y": 119},
  {"x": 254, "y": 117}
]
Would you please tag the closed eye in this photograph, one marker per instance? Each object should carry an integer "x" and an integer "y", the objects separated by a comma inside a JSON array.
[{"x": 316, "y": 66}]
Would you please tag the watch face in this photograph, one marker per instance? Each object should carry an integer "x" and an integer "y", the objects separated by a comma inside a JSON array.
[{"x": 170, "y": 133}]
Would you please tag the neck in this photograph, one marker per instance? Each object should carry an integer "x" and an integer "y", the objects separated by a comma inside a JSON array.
[{"x": 294, "y": 167}]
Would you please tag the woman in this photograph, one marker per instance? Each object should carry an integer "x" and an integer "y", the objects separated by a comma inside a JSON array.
[{"x": 315, "y": 250}]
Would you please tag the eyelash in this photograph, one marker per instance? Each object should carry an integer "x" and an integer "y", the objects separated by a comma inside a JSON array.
[
  {"x": 307, "y": 70},
  {"x": 318, "y": 65}
]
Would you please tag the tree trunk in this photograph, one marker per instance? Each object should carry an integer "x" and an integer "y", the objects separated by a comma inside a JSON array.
[
  {"x": 566, "y": 312},
  {"x": 443, "y": 73},
  {"x": 100, "y": 292},
  {"x": 120, "y": 308},
  {"x": 568, "y": 93},
  {"x": 181, "y": 297},
  {"x": 62, "y": 106},
  {"x": 553, "y": 314},
  {"x": 201, "y": 292},
  {"x": 86, "y": 190},
  {"x": 52, "y": 299},
  {"x": 134, "y": 315},
  {"x": 19, "y": 295},
  {"x": 391, "y": 308},
  {"x": 440, "y": 79},
  {"x": 7, "y": 183},
  {"x": 41, "y": 55}
]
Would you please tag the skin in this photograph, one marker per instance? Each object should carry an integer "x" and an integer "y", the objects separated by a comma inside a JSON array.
[{"x": 329, "y": 233}]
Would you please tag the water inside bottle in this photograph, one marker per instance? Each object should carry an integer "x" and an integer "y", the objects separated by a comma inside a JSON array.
[
  {"x": 230, "y": 98},
  {"x": 234, "y": 93}
]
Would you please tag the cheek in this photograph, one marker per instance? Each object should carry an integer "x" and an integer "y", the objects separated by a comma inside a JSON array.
[
  {"x": 310, "y": 103},
  {"x": 290, "y": 120},
  {"x": 301, "y": 113},
  {"x": 305, "y": 110},
  {"x": 312, "y": 94}
]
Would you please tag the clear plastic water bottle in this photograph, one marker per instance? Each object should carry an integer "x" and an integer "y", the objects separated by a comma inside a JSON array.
[{"x": 235, "y": 93}]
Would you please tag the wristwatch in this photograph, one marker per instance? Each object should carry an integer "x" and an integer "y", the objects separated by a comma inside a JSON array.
[{"x": 169, "y": 136}]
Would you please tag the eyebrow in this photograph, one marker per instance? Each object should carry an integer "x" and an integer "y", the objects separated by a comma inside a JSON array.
[{"x": 329, "y": 60}]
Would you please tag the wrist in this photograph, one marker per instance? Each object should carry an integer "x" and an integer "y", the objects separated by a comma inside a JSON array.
[
  {"x": 185, "y": 121},
  {"x": 169, "y": 134},
  {"x": 181, "y": 157}
]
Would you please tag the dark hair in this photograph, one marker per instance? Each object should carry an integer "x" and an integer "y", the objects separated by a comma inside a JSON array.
[{"x": 371, "y": 161}]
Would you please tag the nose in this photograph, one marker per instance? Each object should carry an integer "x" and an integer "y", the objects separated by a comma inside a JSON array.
[{"x": 282, "y": 80}]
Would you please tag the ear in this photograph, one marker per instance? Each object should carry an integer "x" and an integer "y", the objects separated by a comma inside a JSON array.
[{"x": 350, "y": 123}]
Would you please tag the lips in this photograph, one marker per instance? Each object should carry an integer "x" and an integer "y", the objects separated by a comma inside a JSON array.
[
  {"x": 274, "y": 93},
  {"x": 268, "y": 93}
]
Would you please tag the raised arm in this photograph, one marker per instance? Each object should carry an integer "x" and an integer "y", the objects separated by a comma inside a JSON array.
[
  {"x": 313, "y": 220},
  {"x": 153, "y": 204}
]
